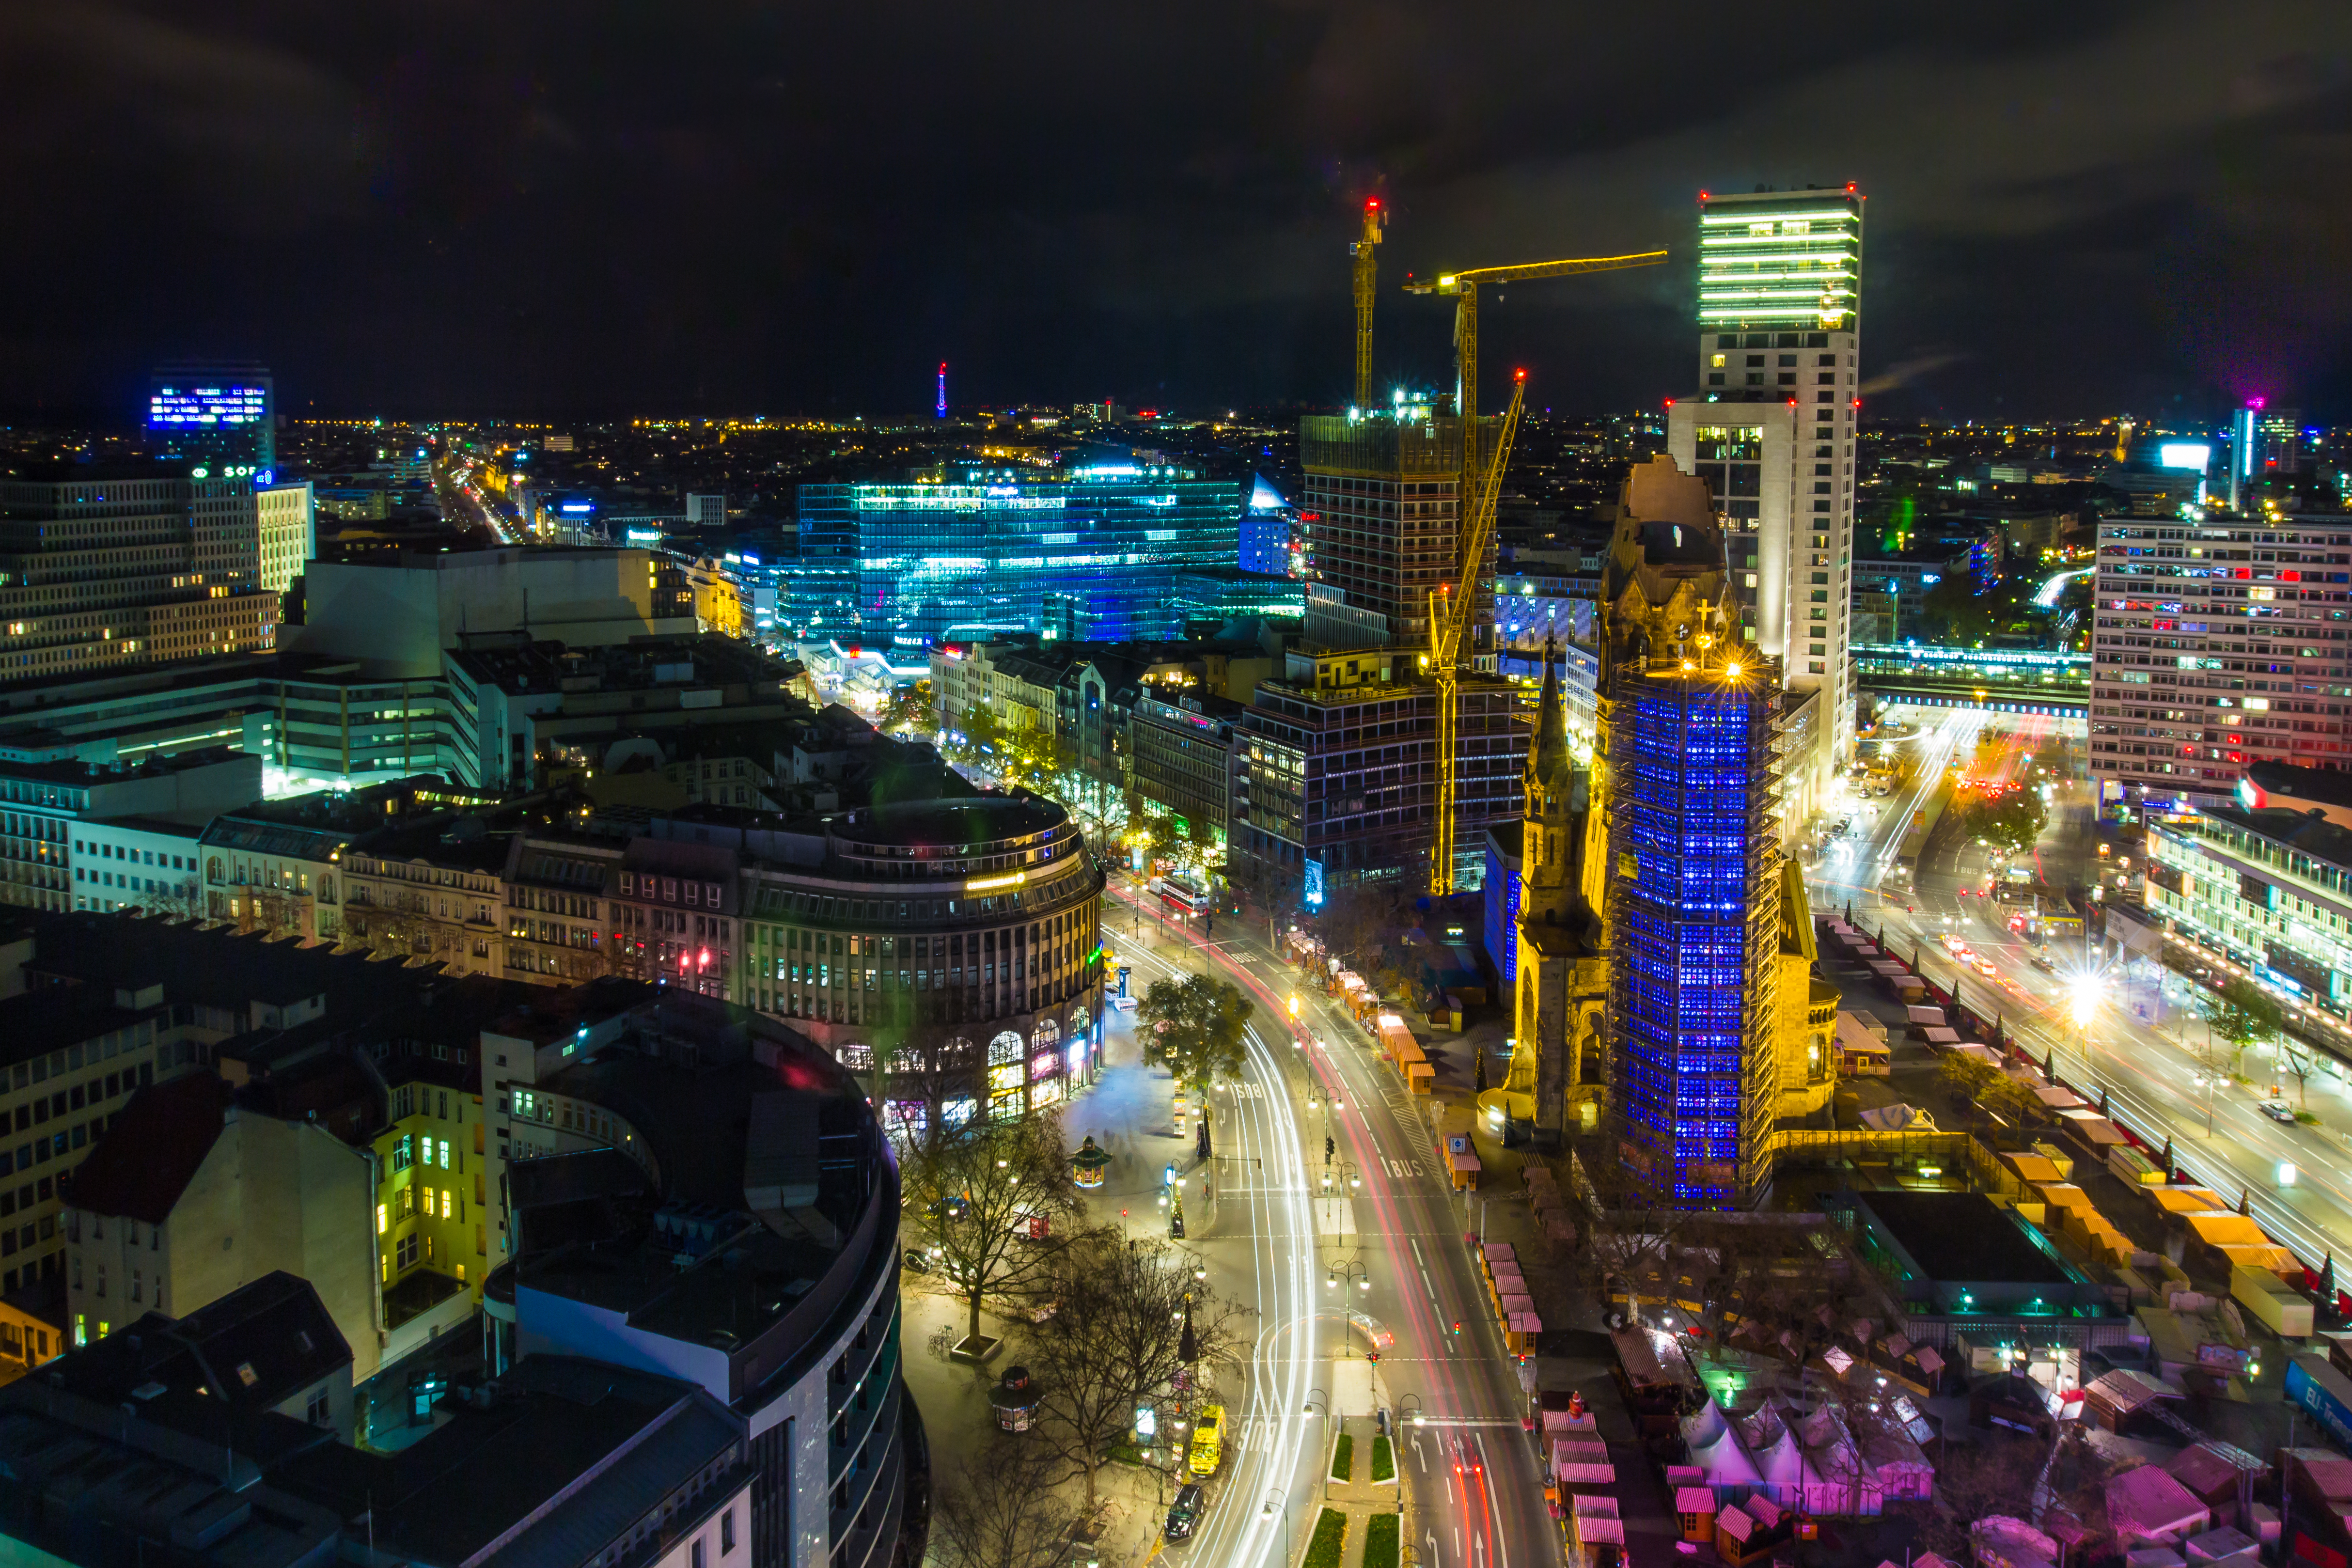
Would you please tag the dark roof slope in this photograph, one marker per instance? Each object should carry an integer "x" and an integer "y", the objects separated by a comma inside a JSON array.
[
  {"x": 152, "y": 1150},
  {"x": 265, "y": 1342}
]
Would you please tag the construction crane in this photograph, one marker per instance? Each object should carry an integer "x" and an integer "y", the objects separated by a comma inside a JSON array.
[
  {"x": 1449, "y": 627},
  {"x": 1367, "y": 252},
  {"x": 1480, "y": 492},
  {"x": 1464, "y": 286}
]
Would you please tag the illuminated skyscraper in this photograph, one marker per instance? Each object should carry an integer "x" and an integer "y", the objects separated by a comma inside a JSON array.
[
  {"x": 1779, "y": 343},
  {"x": 223, "y": 416}
]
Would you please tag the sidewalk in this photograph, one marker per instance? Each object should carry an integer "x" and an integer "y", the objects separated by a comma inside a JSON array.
[{"x": 1128, "y": 1111}]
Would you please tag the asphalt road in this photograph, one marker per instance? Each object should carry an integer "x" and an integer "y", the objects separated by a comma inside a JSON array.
[
  {"x": 1388, "y": 1219},
  {"x": 2158, "y": 1080}
]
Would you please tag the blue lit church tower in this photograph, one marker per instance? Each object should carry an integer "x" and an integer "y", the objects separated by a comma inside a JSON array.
[{"x": 1689, "y": 725}]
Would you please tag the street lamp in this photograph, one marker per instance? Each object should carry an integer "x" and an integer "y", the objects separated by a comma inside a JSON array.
[
  {"x": 1277, "y": 1500},
  {"x": 2082, "y": 996}
]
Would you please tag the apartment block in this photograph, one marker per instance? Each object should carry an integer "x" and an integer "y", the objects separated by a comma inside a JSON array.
[{"x": 2217, "y": 644}]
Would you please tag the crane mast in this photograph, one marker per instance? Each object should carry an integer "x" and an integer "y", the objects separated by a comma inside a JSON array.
[
  {"x": 1367, "y": 252},
  {"x": 1451, "y": 613},
  {"x": 1449, "y": 627}
]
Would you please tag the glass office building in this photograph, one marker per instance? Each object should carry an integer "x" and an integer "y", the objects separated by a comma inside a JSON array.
[
  {"x": 222, "y": 415},
  {"x": 1090, "y": 553},
  {"x": 1695, "y": 852}
]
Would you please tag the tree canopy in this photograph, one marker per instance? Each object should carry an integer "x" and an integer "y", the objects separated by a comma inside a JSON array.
[
  {"x": 2011, "y": 822},
  {"x": 977, "y": 1197},
  {"x": 1193, "y": 1026}
]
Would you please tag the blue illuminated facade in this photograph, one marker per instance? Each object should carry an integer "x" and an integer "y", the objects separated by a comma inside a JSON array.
[
  {"x": 1269, "y": 532},
  {"x": 222, "y": 415},
  {"x": 1093, "y": 553},
  {"x": 1695, "y": 854}
]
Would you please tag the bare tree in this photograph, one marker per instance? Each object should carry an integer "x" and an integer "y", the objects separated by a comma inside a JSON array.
[
  {"x": 2296, "y": 1059},
  {"x": 993, "y": 1202},
  {"x": 1125, "y": 1315},
  {"x": 1354, "y": 921},
  {"x": 998, "y": 1509},
  {"x": 1626, "y": 1241}
]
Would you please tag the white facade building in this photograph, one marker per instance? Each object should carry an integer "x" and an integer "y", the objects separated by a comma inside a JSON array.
[
  {"x": 137, "y": 863},
  {"x": 1780, "y": 337},
  {"x": 289, "y": 535}
]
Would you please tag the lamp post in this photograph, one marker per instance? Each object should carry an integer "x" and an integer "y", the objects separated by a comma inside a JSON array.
[
  {"x": 2083, "y": 1006},
  {"x": 1278, "y": 1501}
]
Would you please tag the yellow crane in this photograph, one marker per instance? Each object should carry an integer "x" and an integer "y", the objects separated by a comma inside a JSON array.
[
  {"x": 1464, "y": 286},
  {"x": 1366, "y": 251},
  {"x": 1451, "y": 613},
  {"x": 1449, "y": 627}
]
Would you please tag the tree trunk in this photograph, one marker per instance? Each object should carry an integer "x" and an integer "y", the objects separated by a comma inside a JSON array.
[{"x": 971, "y": 1300}]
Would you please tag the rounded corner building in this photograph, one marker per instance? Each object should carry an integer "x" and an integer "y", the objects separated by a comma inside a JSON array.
[
  {"x": 946, "y": 949},
  {"x": 693, "y": 1192}
]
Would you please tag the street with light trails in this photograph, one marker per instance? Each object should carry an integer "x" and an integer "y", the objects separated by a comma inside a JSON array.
[
  {"x": 2140, "y": 1045},
  {"x": 1386, "y": 1231}
]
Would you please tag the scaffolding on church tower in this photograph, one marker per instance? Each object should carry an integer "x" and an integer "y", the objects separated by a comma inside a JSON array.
[{"x": 1694, "y": 881}]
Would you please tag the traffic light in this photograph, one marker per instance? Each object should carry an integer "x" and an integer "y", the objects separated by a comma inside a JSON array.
[{"x": 1331, "y": 1147}]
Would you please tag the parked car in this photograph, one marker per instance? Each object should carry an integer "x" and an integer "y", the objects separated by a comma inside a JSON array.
[
  {"x": 1184, "y": 1513},
  {"x": 2276, "y": 1110}
]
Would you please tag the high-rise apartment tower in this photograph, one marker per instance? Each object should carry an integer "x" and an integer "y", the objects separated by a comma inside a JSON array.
[{"x": 1771, "y": 428}]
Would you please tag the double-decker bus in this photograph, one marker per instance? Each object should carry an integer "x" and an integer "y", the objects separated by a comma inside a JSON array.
[{"x": 1181, "y": 894}]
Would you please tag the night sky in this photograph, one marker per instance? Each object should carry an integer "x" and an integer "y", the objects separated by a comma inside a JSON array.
[{"x": 698, "y": 207}]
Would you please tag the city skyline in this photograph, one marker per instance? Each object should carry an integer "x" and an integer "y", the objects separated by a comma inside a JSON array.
[{"x": 446, "y": 230}]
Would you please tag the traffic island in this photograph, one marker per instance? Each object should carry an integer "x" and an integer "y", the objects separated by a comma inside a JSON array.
[{"x": 1331, "y": 1538}]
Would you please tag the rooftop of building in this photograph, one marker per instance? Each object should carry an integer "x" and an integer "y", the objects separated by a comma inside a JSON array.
[
  {"x": 953, "y": 817},
  {"x": 214, "y": 1375},
  {"x": 761, "y": 1139},
  {"x": 2322, "y": 787},
  {"x": 152, "y": 1150},
  {"x": 77, "y": 775},
  {"x": 106, "y": 958},
  {"x": 688, "y": 659},
  {"x": 564, "y": 1457},
  {"x": 55, "y": 1018},
  {"x": 464, "y": 842},
  {"x": 134, "y": 823},
  {"x": 2298, "y": 828},
  {"x": 313, "y": 826},
  {"x": 101, "y": 472},
  {"x": 1963, "y": 1236}
]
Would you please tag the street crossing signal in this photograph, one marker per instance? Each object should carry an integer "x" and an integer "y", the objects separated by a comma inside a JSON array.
[{"x": 1331, "y": 1147}]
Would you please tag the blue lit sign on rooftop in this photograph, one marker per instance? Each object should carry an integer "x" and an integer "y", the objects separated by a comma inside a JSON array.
[{"x": 208, "y": 405}]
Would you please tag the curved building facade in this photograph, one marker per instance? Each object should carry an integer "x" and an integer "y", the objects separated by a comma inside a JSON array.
[
  {"x": 946, "y": 951},
  {"x": 686, "y": 1188}
]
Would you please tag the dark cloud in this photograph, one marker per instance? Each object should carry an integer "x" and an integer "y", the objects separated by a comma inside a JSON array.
[{"x": 602, "y": 206}]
